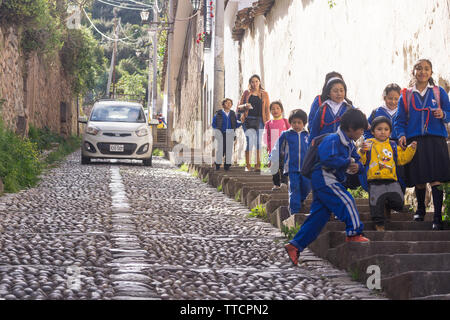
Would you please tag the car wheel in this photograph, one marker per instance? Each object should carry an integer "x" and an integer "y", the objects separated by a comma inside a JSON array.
[
  {"x": 85, "y": 160},
  {"x": 147, "y": 162}
]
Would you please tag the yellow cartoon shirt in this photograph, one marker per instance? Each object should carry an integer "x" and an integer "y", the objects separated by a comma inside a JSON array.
[{"x": 381, "y": 163}]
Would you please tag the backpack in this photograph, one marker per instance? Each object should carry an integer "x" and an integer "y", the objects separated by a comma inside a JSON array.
[
  {"x": 323, "y": 109},
  {"x": 407, "y": 96},
  {"x": 312, "y": 157}
]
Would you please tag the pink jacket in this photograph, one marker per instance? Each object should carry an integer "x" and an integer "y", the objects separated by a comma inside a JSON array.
[{"x": 273, "y": 130}]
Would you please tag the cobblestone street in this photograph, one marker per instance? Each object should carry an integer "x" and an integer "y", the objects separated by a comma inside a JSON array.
[{"x": 125, "y": 231}]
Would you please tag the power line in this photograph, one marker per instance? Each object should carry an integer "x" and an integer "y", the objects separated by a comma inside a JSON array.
[
  {"x": 123, "y": 7},
  {"x": 104, "y": 35}
]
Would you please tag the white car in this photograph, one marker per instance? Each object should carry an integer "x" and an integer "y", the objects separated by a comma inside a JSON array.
[{"x": 118, "y": 130}]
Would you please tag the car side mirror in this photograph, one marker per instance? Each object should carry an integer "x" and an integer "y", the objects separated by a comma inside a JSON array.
[{"x": 82, "y": 119}]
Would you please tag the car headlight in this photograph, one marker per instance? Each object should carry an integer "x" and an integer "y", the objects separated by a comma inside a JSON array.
[
  {"x": 142, "y": 131},
  {"x": 92, "y": 130}
]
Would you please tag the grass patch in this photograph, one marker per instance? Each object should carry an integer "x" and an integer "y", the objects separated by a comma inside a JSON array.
[
  {"x": 20, "y": 157},
  {"x": 258, "y": 212},
  {"x": 195, "y": 174},
  {"x": 184, "y": 168},
  {"x": 220, "y": 188},
  {"x": 359, "y": 193},
  {"x": 158, "y": 152},
  {"x": 446, "y": 204},
  {"x": 205, "y": 179},
  {"x": 237, "y": 196},
  {"x": 289, "y": 233}
]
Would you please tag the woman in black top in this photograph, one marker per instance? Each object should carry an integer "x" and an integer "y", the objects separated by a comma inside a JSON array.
[{"x": 253, "y": 116}]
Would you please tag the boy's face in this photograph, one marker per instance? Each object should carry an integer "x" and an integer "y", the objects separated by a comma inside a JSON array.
[
  {"x": 382, "y": 131},
  {"x": 297, "y": 124},
  {"x": 227, "y": 105},
  {"x": 354, "y": 134}
]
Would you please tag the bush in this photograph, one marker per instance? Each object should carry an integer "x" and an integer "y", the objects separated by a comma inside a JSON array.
[
  {"x": 446, "y": 188},
  {"x": 19, "y": 163}
]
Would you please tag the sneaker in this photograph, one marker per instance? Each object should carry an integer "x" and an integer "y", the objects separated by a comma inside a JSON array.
[
  {"x": 379, "y": 228},
  {"x": 436, "y": 226},
  {"x": 276, "y": 188},
  {"x": 293, "y": 253},
  {"x": 358, "y": 238},
  {"x": 419, "y": 216}
]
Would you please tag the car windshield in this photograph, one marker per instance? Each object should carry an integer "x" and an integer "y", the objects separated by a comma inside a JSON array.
[{"x": 118, "y": 114}]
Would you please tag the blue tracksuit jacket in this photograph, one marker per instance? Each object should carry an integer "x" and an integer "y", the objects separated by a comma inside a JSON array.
[
  {"x": 334, "y": 152},
  {"x": 414, "y": 123},
  {"x": 329, "y": 195},
  {"x": 378, "y": 112},
  {"x": 329, "y": 126},
  {"x": 226, "y": 124},
  {"x": 312, "y": 111},
  {"x": 294, "y": 145}
]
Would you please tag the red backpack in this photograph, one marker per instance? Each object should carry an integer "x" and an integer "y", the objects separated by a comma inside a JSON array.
[{"x": 408, "y": 97}]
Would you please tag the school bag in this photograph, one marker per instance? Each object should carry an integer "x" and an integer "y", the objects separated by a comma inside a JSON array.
[
  {"x": 407, "y": 96},
  {"x": 312, "y": 156},
  {"x": 322, "y": 110}
]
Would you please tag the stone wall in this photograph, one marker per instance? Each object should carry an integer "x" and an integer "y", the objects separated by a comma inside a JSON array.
[
  {"x": 34, "y": 90},
  {"x": 188, "y": 90}
]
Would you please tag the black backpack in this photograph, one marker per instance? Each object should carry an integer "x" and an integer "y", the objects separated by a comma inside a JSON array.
[{"x": 312, "y": 157}]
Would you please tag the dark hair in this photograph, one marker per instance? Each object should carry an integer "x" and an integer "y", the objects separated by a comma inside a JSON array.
[
  {"x": 378, "y": 120},
  {"x": 327, "y": 88},
  {"x": 414, "y": 80},
  {"x": 225, "y": 100},
  {"x": 298, "y": 114},
  {"x": 354, "y": 119},
  {"x": 278, "y": 102},
  {"x": 250, "y": 81},
  {"x": 391, "y": 87},
  {"x": 329, "y": 75}
]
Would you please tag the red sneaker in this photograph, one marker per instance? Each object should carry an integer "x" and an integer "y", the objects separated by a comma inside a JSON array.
[
  {"x": 293, "y": 253},
  {"x": 358, "y": 238}
]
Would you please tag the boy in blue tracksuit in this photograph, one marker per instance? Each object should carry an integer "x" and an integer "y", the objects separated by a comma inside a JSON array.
[
  {"x": 226, "y": 122},
  {"x": 291, "y": 148},
  {"x": 337, "y": 156}
]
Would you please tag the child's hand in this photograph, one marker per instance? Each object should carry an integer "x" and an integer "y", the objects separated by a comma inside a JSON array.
[
  {"x": 438, "y": 113},
  {"x": 366, "y": 146},
  {"x": 413, "y": 145},
  {"x": 353, "y": 168}
]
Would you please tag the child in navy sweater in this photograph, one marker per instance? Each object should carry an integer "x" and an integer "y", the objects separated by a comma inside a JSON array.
[
  {"x": 293, "y": 143},
  {"x": 337, "y": 155},
  {"x": 225, "y": 123},
  {"x": 423, "y": 111}
]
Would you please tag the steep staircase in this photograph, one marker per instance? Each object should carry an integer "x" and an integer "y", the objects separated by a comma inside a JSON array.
[{"x": 414, "y": 261}]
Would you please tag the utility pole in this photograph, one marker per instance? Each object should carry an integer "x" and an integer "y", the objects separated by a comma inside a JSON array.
[
  {"x": 219, "y": 68},
  {"x": 113, "y": 57}
]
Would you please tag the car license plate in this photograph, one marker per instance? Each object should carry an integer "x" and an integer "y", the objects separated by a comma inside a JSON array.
[{"x": 116, "y": 147}]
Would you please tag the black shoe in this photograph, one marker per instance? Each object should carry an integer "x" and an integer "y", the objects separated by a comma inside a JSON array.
[
  {"x": 419, "y": 216},
  {"x": 436, "y": 226},
  {"x": 226, "y": 167}
]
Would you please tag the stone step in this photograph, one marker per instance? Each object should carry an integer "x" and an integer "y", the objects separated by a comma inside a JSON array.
[
  {"x": 395, "y": 264},
  {"x": 346, "y": 252},
  {"x": 418, "y": 285},
  {"x": 338, "y": 237}
]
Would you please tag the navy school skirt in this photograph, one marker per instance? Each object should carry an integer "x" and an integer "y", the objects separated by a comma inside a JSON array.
[{"x": 430, "y": 163}]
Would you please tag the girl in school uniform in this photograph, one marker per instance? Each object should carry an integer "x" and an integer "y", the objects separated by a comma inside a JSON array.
[
  {"x": 317, "y": 100},
  {"x": 423, "y": 111},
  {"x": 334, "y": 104},
  {"x": 391, "y": 94}
]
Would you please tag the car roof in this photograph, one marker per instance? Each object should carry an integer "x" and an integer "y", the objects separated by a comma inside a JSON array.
[{"x": 117, "y": 103}]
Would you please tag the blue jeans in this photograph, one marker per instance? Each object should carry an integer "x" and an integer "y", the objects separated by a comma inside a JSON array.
[{"x": 253, "y": 137}]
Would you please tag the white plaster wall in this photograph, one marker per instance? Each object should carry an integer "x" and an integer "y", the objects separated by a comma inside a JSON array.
[{"x": 371, "y": 42}]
